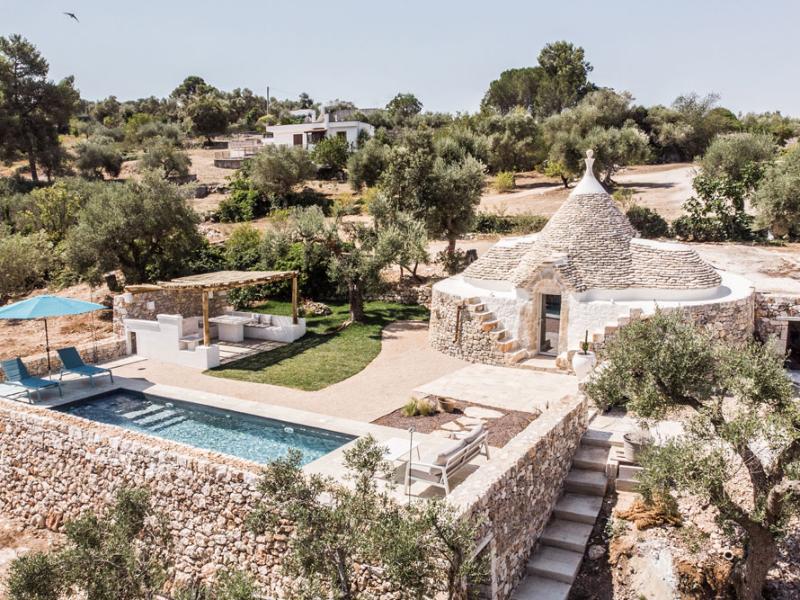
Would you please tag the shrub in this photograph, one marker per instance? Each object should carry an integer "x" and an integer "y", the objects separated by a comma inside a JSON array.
[
  {"x": 365, "y": 166},
  {"x": 98, "y": 155},
  {"x": 423, "y": 407},
  {"x": 777, "y": 199},
  {"x": 243, "y": 248},
  {"x": 277, "y": 169},
  {"x": 164, "y": 156},
  {"x": 647, "y": 222},
  {"x": 504, "y": 181},
  {"x": 505, "y": 224},
  {"x": 24, "y": 261},
  {"x": 717, "y": 212},
  {"x": 330, "y": 155},
  {"x": 345, "y": 204}
]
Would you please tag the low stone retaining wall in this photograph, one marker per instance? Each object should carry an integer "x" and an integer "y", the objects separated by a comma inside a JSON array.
[
  {"x": 515, "y": 493},
  {"x": 416, "y": 294},
  {"x": 104, "y": 350}
]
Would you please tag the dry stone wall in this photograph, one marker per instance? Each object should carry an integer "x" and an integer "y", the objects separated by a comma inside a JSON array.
[
  {"x": 771, "y": 311},
  {"x": 454, "y": 330},
  {"x": 514, "y": 495},
  {"x": 146, "y": 305},
  {"x": 54, "y": 466}
]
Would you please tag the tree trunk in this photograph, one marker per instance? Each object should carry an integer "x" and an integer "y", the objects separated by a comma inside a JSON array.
[
  {"x": 751, "y": 572},
  {"x": 32, "y": 163},
  {"x": 565, "y": 181},
  {"x": 356, "y": 298}
]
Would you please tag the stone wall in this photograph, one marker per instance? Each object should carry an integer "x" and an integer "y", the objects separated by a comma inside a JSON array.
[
  {"x": 54, "y": 466},
  {"x": 104, "y": 350},
  {"x": 454, "y": 330},
  {"x": 771, "y": 311},
  {"x": 514, "y": 495},
  {"x": 726, "y": 321},
  {"x": 146, "y": 305},
  {"x": 408, "y": 294}
]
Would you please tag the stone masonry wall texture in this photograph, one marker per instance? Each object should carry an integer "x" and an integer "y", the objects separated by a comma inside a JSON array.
[
  {"x": 165, "y": 302},
  {"x": 455, "y": 331},
  {"x": 53, "y": 466},
  {"x": 514, "y": 494}
]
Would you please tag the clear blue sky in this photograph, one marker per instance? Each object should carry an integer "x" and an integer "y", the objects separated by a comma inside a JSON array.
[{"x": 446, "y": 52}]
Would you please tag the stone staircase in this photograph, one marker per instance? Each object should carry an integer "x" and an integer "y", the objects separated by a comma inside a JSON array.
[
  {"x": 503, "y": 339},
  {"x": 557, "y": 559}
]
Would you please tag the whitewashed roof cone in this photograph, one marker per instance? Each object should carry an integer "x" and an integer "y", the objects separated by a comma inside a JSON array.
[{"x": 592, "y": 245}]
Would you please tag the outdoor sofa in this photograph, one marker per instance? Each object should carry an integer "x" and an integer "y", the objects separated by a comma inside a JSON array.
[
  {"x": 274, "y": 328},
  {"x": 451, "y": 459}
]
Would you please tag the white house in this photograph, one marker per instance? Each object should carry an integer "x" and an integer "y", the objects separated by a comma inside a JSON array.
[{"x": 308, "y": 135}]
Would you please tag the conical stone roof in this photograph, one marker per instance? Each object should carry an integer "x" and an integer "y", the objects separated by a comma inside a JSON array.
[{"x": 593, "y": 246}]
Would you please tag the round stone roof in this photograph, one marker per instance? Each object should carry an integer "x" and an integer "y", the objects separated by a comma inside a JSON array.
[{"x": 592, "y": 245}]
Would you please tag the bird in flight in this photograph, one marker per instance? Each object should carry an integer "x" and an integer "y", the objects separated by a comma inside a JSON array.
[{"x": 72, "y": 16}]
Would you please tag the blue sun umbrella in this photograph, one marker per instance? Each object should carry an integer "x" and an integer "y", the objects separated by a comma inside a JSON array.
[{"x": 45, "y": 307}]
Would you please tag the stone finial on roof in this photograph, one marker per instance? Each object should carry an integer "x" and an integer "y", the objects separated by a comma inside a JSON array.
[{"x": 589, "y": 183}]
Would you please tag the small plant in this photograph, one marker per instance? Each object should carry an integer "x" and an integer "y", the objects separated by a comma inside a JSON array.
[
  {"x": 505, "y": 181},
  {"x": 615, "y": 528},
  {"x": 422, "y": 407},
  {"x": 346, "y": 205},
  {"x": 624, "y": 198},
  {"x": 647, "y": 222},
  {"x": 585, "y": 343}
]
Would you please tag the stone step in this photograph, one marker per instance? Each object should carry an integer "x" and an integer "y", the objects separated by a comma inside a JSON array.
[
  {"x": 555, "y": 563},
  {"x": 473, "y": 300},
  {"x": 498, "y": 334},
  {"x": 582, "y": 481},
  {"x": 507, "y": 345},
  {"x": 597, "y": 338},
  {"x": 627, "y": 478},
  {"x": 636, "y": 313},
  {"x": 567, "y": 535},
  {"x": 518, "y": 356},
  {"x": 476, "y": 308},
  {"x": 598, "y": 437},
  {"x": 489, "y": 324},
  {"x": 541, "y": 588},
  {"x": 578, "y": 507},
  {"x": 592, "y": 458}
]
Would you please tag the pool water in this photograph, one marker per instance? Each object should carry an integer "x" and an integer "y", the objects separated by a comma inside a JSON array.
[{"x": 245, "y": 436}]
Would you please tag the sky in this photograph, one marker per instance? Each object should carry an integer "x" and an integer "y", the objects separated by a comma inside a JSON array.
[{"x": 445, "y": 52}]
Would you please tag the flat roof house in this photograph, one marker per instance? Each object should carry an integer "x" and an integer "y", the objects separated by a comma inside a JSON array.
[{"x": 308, "y": 135}]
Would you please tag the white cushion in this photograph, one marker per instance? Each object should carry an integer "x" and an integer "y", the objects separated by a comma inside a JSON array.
[
  {"x": 448, "y": 451},
  {"x": 473, "y": 435}
]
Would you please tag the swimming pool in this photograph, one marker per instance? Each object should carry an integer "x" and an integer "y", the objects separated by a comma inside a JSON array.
[{"x": 246, "y": 436}]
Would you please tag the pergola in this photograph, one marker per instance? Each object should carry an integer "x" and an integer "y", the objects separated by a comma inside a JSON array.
[{"x": 208, "y": 283}]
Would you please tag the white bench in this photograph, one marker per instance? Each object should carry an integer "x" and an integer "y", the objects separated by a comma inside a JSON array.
[
  {"x": 451, "y": 459},
  {"x": 271, "y": 327}
]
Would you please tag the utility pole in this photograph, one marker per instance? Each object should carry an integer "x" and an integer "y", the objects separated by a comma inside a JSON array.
[{"x": 267, "y": 99}]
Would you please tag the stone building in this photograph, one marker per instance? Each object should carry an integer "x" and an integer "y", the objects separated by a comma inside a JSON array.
[{"x": 583, "y": 276}]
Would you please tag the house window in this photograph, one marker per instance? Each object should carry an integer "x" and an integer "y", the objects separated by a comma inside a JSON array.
[
  {"x": 341, "y": 134},
  {"x": 317, "y": 137},
  {"x": 270, "y": 135},
  {"x": 297, "y": 139}
]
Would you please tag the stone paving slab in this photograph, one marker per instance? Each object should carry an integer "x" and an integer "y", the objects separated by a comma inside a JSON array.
[{"x": 501, "y": 387}]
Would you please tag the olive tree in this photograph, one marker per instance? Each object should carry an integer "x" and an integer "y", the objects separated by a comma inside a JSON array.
[
  {"x": 342, "y": 530},
  {"x": 777, "y": 199},
  {"x": 740, "y": 415},
  {"x": 24, "y": 262},
  {"x": 277, "y": 169},
  {"x": 98, "y": 155},
  {"x": 146, "y": 229},
  {"x": 161, "y": 154},
  {"x": 732, "y": 153}
]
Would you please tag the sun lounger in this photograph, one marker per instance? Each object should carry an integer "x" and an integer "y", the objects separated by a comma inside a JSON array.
[
  {"x": 451, "y": 459},
  {"x": 17, "y": 374},
  {"x": 71, "y": 362}
]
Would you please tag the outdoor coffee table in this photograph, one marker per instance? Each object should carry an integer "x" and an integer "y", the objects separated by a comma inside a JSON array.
[
  {"x": 231, "y": 327},
  {"x": 397, "y": 450}
]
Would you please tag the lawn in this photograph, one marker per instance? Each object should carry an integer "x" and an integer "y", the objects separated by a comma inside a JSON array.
[{"x": 326, "y": 354}]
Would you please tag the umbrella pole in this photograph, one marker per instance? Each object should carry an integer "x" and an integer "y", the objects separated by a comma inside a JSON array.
[{"x": 47, "y": 347}]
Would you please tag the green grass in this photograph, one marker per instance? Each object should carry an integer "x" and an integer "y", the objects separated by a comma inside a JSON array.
[{"x": 325, "y": 355}]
